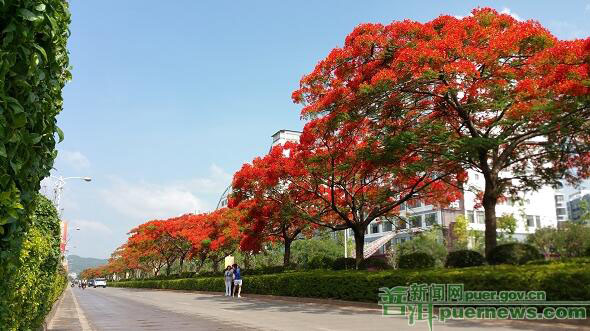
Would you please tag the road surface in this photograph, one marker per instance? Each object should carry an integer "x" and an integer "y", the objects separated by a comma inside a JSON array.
[{"x": 139, "y": 309}]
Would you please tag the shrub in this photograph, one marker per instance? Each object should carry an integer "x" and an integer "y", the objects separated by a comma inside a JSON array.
[
  {"x": 31, "y": 277},
  {"x": 343, "y": 263},
  {"x": 428, "y": 242},
  {"x": 264, "y": 270},
  {"x": 318, "y": 252},
  {"x": 560, "y": 281},
  {"x": 187, "y": 274},
  {"x": 571, "y": 240},
  {"x": 587, "y": 252},
  {"x": 320, "y": 262},
  {"x": 513, "y": 253},
  {"x": 416, "y": 260},
  {"x": 464, "y": 258},
  {"x": 374, "y": 263}
]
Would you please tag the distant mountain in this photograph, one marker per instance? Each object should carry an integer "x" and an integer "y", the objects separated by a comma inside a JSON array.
[{"x": 77, "y": 263}]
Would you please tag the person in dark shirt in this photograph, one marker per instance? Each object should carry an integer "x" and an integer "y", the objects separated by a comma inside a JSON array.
[{"x": 237, "y": 280}]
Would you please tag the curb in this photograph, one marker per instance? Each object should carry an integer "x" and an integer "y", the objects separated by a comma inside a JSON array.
[{"x": 52, "y": 312}]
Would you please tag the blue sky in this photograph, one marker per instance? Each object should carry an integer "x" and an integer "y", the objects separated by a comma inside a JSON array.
[{"x": 169, "y": 98}]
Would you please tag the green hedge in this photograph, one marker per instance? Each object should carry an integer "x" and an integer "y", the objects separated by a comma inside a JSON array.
[
  {"x": 464, "y": 258},
  {"x": 33, "y": 70},
  {"x": 514, "y": 253},
  {"x": 560, "y": 281},
  {"x": 31, "y": 274}
]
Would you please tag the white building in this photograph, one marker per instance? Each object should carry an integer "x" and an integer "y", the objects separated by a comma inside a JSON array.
[
  {"x": 532, "y": 210},
  {"x": 283, "y": 136}
]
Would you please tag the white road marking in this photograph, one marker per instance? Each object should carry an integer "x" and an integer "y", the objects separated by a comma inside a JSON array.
[{"x": 81, "y": 316}]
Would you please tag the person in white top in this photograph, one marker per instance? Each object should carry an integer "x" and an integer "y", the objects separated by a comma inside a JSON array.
[{"x": 228, "y": 276}]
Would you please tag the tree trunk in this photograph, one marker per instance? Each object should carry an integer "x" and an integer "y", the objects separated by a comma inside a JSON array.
[
  {"x": 287, "y": 255},
  {"x": 216, "y": 265},
  {"x": 181, "y": 264},
  {"x": 359, "y": 244},
  {"x": 489, "y": 205}
]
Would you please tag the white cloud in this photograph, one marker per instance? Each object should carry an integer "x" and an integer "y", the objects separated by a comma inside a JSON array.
[
  {"x": 509, "y": 12},
  {"x": 90, "y": 226},
  {"x": 145, "y": 201},
  {"x": 74, "y": 159},
  {"x": 215, "y": 183},
  {"x": 566, "y": 30},
  {"x": 142, "y": 201}
]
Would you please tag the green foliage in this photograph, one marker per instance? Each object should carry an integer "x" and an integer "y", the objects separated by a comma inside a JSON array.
[
  {"x": 343, "y": 263},
  {"x": 317, "y": 252},
  {"x": 418, "y": 260},
  {"x": 478, "y": 240},
  {"x": 514, "y": 253},
  {"x": 464, "y": 258},
  {"x": 33, "y": 71},
  {"x": 560, "y": 281},
  {"x": 460, "y": 232},
  {"x": 30, "y": 270},
  {"x": 585, "y": 214},
  {"x": 571, "y": 240},
  {"x": 374, "y": 263},
  {"x": 506, "y": 224},
  {"x": 429, "y": 242}
]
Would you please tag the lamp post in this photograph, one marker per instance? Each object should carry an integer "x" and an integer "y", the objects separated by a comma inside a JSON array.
[{"x": 61, "y": 182}]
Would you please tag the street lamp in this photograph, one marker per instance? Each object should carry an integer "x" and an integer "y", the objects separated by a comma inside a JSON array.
[{"x": 61, "y": 182}]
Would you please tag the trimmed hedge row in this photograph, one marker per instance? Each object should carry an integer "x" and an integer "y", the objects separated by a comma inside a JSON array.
[{"x": 560, "y": 281}]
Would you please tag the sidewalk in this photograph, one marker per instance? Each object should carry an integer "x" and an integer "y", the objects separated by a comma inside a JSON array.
[{"x": 68, "y": 316}]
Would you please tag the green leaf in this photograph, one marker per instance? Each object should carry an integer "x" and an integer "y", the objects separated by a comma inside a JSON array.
[
  {"x": 19, "y": 120},
  {"x": 35, "y": 138},
  {"x": 10, "y": 28},
  {"x": 3, "y": 150},
  {"x": 27, "y": 14},
  {"x": 40, "y": 7},
  {"x": 60, "y": 134},
  {"x": 42, "y": 51}
]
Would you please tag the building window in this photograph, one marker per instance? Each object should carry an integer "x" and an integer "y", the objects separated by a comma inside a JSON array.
[
  {"x": 476, "y": 176},
  {"x": 538, "y": 221},
  {"x": 481, "y": 217},
  {"x": 530, "y": 221},
  {"x": 375, "y": 228},
  {"x": 416, "y": 221},
  {"x": 430, "y": 219},
  {"x": 559, "y": 198},
  {"x": 560, "y": 211},
  {"x": 387, "y": 226},
  {"x": 471, "y": 216}
]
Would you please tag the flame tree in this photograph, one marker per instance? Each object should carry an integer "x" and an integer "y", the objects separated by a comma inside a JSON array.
[
  {"x": 271, "y": 205},
  {"x": 513, "y": 99},
  {"x": 354, "y": 179}
]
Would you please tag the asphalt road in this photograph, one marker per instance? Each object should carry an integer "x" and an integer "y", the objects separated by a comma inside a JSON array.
[{"x": 138, "y": 309}]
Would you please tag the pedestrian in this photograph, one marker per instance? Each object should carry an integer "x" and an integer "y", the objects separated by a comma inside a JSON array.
[
  {"x": 237, "y": 280},
  {"x": 228, "y": 276}
]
